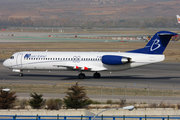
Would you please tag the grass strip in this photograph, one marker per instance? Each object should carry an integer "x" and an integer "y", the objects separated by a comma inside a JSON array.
[{"x": 91, "y": 90}]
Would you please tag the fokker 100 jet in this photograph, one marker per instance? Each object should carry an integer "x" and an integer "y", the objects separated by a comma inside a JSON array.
[{"x": 91, "y": 61}]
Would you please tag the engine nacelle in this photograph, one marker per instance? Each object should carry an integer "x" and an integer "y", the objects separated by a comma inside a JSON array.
[{"x": 114, "y": 60}]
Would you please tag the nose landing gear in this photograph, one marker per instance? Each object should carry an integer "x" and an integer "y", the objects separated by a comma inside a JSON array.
[{"x": 20, "y": 74}]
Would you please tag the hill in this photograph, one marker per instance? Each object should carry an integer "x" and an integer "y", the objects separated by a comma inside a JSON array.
[{"x": 89, "y": 9}]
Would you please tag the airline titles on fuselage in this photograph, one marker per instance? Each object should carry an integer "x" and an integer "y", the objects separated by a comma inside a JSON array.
[{"x": 74, "y": 58}]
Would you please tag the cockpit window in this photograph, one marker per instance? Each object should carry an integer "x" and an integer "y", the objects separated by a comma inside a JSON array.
[{"x": 12, "y": 57}]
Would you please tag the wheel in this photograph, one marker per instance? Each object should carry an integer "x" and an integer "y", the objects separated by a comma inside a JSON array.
[
  {"x": 20, "y": 74},
  {"x": 81, "y": 76},
  {"x": 97, "y": 75}
]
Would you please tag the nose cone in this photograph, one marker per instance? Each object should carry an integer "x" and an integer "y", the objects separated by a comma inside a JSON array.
[{"x": 6, "y": 63}]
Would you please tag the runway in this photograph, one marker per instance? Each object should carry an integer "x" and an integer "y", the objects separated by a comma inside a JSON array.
[{"x": 158, "y": 76}]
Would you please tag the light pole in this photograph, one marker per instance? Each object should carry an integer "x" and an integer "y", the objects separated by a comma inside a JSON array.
[
  {"x": 131, "y": 107},
  {"x": 6, "y": 90}
]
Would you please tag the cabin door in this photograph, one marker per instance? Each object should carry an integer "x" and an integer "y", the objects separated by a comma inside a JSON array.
[{"x": 19, "y": 60}]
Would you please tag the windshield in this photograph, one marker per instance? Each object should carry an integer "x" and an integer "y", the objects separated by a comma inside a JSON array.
[{"x": 12, "y": 57}]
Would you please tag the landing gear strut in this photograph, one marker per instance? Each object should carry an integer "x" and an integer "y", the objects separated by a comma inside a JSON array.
[
  {"x": 81, "y": 76},
  {"x": 20, "y": 74},
  {"x": 97, "y": 75}
]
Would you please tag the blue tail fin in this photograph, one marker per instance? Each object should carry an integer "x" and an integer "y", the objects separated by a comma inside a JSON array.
[{"x": 157, "y": 44}]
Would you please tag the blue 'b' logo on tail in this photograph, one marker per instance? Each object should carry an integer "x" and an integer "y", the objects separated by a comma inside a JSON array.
[
  {"x": 27, "y": 55},
  {"x": 156, "y": 44}
]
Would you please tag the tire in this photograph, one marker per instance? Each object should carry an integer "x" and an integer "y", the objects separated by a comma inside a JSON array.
[
  {"x": 81, "y": 76},
  {"x": 97, "y": 75}
]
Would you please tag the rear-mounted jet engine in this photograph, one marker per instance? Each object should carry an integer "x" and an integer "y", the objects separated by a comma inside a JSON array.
[{"x": 114, "y": 60}]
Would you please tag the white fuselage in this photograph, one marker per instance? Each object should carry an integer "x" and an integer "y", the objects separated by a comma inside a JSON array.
[{"x": 82, "y": 61}]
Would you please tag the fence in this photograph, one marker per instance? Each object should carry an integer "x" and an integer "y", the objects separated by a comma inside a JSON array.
[{"x": 37, "y": 117}]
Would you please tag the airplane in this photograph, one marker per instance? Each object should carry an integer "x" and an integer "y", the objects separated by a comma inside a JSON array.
[
  {"x": 178, "y": 18},
  {"x": 91, "y": 61}
]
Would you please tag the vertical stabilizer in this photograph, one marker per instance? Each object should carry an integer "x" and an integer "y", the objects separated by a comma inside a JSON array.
[{"x": 157, "y": 44}]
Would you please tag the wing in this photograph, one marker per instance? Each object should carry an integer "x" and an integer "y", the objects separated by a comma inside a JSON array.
[{"x": 75, "y": 67}]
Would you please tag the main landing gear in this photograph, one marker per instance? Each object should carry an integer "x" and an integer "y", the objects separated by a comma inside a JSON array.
[
  {"x": 82, "y": 75},
  {"x": 97, "y": 75}
]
